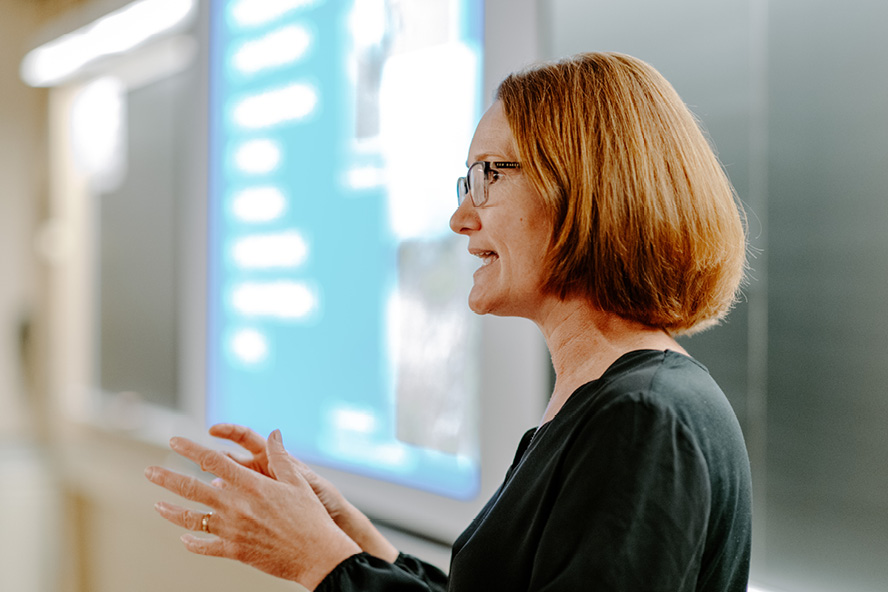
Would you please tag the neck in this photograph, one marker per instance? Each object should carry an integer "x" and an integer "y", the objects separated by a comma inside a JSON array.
[{"x": 584, "y": 341}]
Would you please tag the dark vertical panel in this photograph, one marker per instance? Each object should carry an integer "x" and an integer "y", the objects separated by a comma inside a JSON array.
[
  {"x": 828, "y": 377},
  {"x": 821, "y": 216},
  {"x": 808, "y": 376}
]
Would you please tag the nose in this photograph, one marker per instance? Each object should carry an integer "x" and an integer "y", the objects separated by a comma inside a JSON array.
[{"x": 465, "y": 219}]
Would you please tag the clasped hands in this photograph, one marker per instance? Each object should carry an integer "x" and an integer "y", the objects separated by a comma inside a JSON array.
[{"x": 270, "y": 510}]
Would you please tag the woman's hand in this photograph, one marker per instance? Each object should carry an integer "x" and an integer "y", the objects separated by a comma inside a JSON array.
[
  {"x": 249, "y": 441},
  {"x": 277, "y": 525},
  {"x": 351, "y": 520}
]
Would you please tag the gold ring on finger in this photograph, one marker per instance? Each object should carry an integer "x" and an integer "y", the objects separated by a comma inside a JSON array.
[{"x": 205, "y": 522}]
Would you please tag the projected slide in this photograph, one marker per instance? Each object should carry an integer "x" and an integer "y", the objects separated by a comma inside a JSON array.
[{"x": 337, "y": 293}]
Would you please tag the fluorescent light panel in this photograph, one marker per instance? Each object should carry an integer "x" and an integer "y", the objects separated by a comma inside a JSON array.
[{"x": 115, "y": 33}]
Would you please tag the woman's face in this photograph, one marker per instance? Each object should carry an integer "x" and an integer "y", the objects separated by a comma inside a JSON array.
[{"x": 510, "y": 233}]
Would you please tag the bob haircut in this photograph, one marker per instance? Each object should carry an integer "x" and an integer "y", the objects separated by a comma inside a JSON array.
[{"x": 645, "y": 222}]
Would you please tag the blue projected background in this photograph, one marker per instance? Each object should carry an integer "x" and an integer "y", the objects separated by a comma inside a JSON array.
[{"x": 337, "y": 291}]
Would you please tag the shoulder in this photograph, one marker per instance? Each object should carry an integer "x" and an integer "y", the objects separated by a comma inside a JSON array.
[
  {"x": 648, "y": 396},
  {"x": 663, "y": 384},
  {"x": 659, "y": 383}
]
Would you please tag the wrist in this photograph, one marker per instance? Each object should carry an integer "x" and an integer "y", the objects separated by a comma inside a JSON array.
[
  {"x": 339, "y": 550},
  {"x": 362, "y": 531}
]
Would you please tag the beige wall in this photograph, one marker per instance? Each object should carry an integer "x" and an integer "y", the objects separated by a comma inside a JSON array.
[
  {"x": 27, "y": 496},
  {"x": 22, "y": 189}
]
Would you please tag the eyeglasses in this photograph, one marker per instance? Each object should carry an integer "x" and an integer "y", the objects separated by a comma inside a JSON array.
[{"x": 478, "y": 178}]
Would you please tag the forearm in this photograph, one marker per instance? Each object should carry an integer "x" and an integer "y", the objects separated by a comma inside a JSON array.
[
  {"x": 357, "y": 526},
  {"x": 334, "y": 552}
]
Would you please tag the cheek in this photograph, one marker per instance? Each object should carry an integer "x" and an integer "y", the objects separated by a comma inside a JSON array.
[
  {"x": 539, "y": 241},
  {"x": 531, "y": 260},
  {"x": 540, "y": 256}
]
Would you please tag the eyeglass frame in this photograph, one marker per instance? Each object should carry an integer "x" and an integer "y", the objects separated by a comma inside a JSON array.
[{"x": 462, "y": 183}]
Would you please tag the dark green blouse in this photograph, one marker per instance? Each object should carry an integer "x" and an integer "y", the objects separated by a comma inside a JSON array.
[{"x": 640, "y": 483}]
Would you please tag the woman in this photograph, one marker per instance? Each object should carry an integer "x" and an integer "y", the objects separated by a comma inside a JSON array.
[{"x": 600, "y": 213}]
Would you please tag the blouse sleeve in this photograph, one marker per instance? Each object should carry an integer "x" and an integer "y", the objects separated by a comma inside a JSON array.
[
  {"x": 633, "y": 510},
  {"x": 365, "y": 573}
]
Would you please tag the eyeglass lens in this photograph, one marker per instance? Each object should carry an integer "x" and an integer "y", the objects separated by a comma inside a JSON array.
[
  {"x": 478, "y": 183},
  {"x": 474, "y": 183},
  {"x": 462, "y": 190}
]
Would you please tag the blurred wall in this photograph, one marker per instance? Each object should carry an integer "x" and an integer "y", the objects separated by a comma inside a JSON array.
[
  {"x": 28, "y": 496},
  {"x": 22, "y": 190},
  {"x": 24, "y": 480}
]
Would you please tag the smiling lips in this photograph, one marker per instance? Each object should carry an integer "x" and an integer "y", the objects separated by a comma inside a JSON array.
[{"x": 487, "y": 257}]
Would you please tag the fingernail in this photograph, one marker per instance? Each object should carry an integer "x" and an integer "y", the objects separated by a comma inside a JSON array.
[
  {"x": 150, "y": 473},
  {"x": 276, "y": 435}
]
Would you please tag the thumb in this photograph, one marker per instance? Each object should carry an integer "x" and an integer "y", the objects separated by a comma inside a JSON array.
[{"x": 280, "y": 464}]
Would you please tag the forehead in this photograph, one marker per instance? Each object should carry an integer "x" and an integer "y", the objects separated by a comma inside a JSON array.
[{"x": 493, "y": 139}]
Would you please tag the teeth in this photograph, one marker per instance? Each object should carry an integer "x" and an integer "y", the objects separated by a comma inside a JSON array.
[{"x": 487, "y": 258}]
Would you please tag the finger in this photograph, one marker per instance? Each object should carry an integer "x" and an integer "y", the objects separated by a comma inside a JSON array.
[
  {"x": 214, "y": 547},
  {"x": 256, "y": 463},
  {"x": 184, "y": 486},
  {"x": 282, "y": 465},
  {"x": 318, "y": 484},
  {"x": 242, "y": 460},
  {"x": 188, "y": 519},
  {"x": 211, "y": 461},
  {"x": 219, "y": 483},
  {"x": 240, "y": 435},
  {"x": 304, "y": 470}
]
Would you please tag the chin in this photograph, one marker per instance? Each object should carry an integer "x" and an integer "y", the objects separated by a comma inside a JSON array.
[
  {"x": 502, "y": 307},
  {"x": 477, "y": 309},
  {"x": 480, "y": 305}
]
